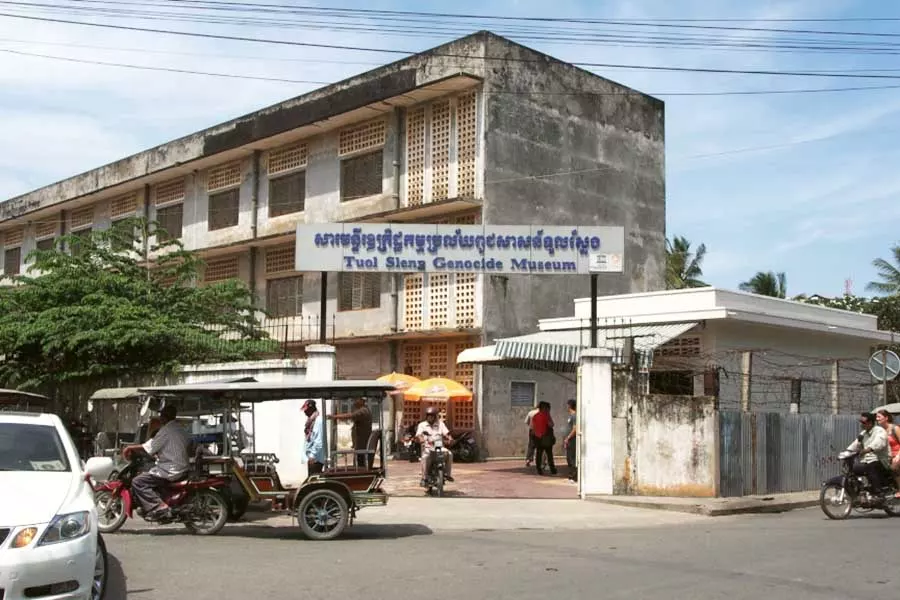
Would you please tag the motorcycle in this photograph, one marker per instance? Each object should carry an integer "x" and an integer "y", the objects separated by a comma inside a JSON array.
[
  {"x": 196, "y": 500},
  {"x": 843, "y": 493},
  {"x": 434, "y": 477},
  {"x": 464, "y": 447}
]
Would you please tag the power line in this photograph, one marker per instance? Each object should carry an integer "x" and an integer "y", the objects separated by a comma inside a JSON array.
[
  {"x": 489, "y": 92},
  {"x": 455, "y": 55}
]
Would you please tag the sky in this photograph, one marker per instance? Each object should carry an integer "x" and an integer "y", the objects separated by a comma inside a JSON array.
[{"x": 803, "y": 183}]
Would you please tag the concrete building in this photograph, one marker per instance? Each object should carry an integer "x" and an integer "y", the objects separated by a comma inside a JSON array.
[{"x": 479, "y": 130}]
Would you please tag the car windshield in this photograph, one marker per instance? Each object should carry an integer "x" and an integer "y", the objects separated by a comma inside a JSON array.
[{"x": 29, "y": 447}]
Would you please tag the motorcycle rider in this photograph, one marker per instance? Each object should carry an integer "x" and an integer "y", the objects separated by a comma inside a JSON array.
[
  {"x": 874, "y": 453},
  {"x": 428, "y": 428},
  {"x": 171, "y": 446}
]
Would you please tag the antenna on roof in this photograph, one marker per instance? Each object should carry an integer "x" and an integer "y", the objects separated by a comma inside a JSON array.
[{"x": 848, "y": 286}]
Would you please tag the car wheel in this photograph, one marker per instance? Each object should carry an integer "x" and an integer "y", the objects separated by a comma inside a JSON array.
[{"x": 101, "y": 571}]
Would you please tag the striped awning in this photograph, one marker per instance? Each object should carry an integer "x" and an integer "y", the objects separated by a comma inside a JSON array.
[{"x": 561, "y": 350}]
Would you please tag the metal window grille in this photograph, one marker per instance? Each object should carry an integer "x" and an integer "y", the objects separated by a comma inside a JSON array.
[
  {"x": 220, "y": 269},
  {"x": 287, "y": 194},
  {"x": 14, "y": 237},
  {"x": 171, "y": 222},
  {"x": 123, "y": 206},
  {"x": 359, "y": 291},
  {"x": 46, "y": 229},
  {"x": 223, "y": 210},
  {"x": 287, "y": 158},
  {"x": 413, "y": 360},
  {"x": 280, "y": 259},
  {"x": 169, "y": 192},
  {"x": 223, "y": 177},
  {"x": 438, "y": 360},
  {"x": 413, "y": 314},
  {"x": 440, "y": 150},
  {"x": 82, "y": 217},
  {"x": 12, "y": 261},
  {"x": 466, "y": 144},
  {"x": 362, "y": 176},
  {"x": 284, "y": 296},
  {"x": 360, "y": 138},
  {"x": 415, "y": 157}
]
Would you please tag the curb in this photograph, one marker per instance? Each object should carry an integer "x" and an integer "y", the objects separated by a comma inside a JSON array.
[{"x": 739, "y": 506}]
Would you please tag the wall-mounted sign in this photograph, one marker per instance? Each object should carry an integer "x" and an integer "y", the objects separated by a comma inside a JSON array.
[
  {"x": 493, "y": 249},
  {"x": 10, "y": 209}
]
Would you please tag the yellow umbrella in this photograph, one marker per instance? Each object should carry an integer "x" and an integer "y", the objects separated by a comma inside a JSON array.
[
  {"x": 400, "y": 380},
  {"x": 437, "y": 388}
]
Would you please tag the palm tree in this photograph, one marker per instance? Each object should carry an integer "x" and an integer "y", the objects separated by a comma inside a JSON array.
[
  {"x": 683, "y": 267},
  {"x": 889, "y": 274},
  {"x": 766, "y": 284}
]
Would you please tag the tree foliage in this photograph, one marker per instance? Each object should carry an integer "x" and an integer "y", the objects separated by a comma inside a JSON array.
[
  {"x": 889, "y": 272},
  {"x": 684, "y": 267},
  {"x": 766, "y": 284},
  {"x": 886, "y": 308},
  {"x": 85, "y": 313}
]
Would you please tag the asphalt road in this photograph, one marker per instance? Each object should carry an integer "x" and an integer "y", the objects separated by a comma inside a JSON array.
[{"x": 797, "y": 555}]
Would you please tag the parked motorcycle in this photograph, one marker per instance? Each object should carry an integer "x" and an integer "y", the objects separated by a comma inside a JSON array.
[
  {"x": 434, "y": 477},
  {"x": 847, "y": 491},
  {"x": 197, "y": 501}
]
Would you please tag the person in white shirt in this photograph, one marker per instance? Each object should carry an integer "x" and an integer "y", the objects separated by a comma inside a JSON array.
[
  {"x": 874, "y": 453},
  {"x": 529, "y": 454},
  {"x": 171, "y": 446},
  {"x": 428, "y": 428}
]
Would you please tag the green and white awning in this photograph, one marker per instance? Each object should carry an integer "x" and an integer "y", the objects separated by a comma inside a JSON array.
[{"x": 561, "y": 350}]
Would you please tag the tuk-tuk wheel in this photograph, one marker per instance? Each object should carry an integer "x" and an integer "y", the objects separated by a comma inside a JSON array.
[{"x": 323, "y": 514}]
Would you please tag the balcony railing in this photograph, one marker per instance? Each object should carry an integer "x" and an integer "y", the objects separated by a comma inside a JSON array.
[{"x": 283, "y": 336}]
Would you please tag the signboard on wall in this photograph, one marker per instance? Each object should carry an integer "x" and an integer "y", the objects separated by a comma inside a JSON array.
[{"x": 491, "y": 249}]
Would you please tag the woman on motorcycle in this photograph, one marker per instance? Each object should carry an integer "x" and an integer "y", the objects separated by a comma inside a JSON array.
[{"x": 886, "y": 420}]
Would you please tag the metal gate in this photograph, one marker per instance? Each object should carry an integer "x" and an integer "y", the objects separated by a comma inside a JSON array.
[{"x": 771, "y": 453}]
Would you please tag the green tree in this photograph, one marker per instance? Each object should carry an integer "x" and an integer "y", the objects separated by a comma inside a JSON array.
[
  {"x": 766, "y": 283},
  {"x": 886, "y": 308},
  {"x": 86, "y": 314},
  {"x": 683, "y": 266},
  {"x": 889, "y": 272}
]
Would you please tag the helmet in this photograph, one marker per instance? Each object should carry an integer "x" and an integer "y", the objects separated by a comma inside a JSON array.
[{"x": 431, "y": 410}]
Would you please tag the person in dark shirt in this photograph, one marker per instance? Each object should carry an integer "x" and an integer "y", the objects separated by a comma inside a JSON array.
[
  {"x": 361, "y": 432},
  {"x": 571, "y": 440},
  {"x": 542, "y": 424}
]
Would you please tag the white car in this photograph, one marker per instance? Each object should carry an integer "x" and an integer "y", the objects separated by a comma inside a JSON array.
[{"x": 50, "y": 547}]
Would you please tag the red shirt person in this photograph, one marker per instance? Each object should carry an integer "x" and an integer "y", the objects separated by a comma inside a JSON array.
[{"x": 542, "y": 424}]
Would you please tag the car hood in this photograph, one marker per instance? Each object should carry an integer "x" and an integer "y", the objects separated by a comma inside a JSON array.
[{"x": 31, "y": 498}]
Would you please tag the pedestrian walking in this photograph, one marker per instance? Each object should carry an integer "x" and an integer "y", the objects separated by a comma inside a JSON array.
[{"x": 570, "y": 442}]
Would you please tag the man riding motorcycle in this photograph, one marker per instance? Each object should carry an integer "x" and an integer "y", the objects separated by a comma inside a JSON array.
[
  {"x": 428, "y": 428},
  {"x": 171, "y": 446},
  {"x": 874, "y": 453}
]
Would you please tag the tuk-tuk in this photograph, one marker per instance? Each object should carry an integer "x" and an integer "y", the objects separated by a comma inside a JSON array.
[
  {"x": 324, "y": 504},
  {"x": 18, "y": 401}
]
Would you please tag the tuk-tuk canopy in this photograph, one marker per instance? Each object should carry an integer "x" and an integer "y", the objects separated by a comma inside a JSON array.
[
  {"x": 18, "y": 400},
  {"x": 263, "y": 391}
]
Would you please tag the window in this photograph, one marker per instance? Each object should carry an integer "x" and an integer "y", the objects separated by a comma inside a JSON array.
[
  {"x": 358, "y": 291},
  {"x": 287, "y": 194},
  {"x": 81, "y": 234},
  {"x": 25, "y": 447},
  {"x": 171, "y": 221},
  {"x": 361, "y": 176},
  {"x": 12, "y": 261},
  {"x": 284, "y": 296},
  {"x": 224, "y": 209},
  {"x": 221, "y": 269},
  {"x": 521, "y": 394},
  {"x": 126, "y": 241},
  {"x": 672, "y": 383},
  {"x": 46, "y": 244}
]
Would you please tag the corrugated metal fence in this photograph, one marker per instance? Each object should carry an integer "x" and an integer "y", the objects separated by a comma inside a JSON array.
[{"x": 770, "y": 453}]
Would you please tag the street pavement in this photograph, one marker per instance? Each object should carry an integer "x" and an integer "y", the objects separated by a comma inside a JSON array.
[{"x": 425, "y": 548}]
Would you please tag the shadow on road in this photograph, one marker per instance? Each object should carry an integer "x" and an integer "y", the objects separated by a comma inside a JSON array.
[
  {"x": 292, "y": 532},
  {"x": 117, "y": 582}
]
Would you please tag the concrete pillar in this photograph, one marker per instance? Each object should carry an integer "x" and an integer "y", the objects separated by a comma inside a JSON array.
[
  {"x": 595, "y": 422},
  {"x": 746, "y": 379},
  {"x": 320, "y": 366},
  {"x": 835, "y": 385}
]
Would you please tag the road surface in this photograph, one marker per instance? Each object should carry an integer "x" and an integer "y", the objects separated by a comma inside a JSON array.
[{"x": 633, "y": 553}]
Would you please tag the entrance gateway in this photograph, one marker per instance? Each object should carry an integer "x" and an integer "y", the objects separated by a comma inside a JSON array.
[{"x": 485, "y": 249}]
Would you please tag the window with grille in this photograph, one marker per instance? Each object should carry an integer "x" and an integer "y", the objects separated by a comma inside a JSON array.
[
  {"x": 415, "y": 157},
  {"x": 413, "y": 357},
  {"x": 465, "y": 299},
  {"x": 123, "y": 206},
  {"x": 521, "y": 394},
  {"x": 438, "y": 360},
  {"x": 171, "y": 222},
  {"x": 362, "y": 176},
  {"x": 12, "y": 261},
  {"x": 77, "y": 246},
  {"x": 14, "y": 237},
  {"x": 360, "y": 138},
  {"x": 82, "y": 218},
  {"x": 280, "y": 259},
  {"x": 358, "y": 291},
  {"x": 223, "y": 177},
  {"x": 46, "y": 229},
  {"x": 440, "y": 151},
  {"x": 224, "y": 209},
  {"x": 286, "y": 159},
  {"x": 438, "y": 300},
  {"x": 466, "y": 145},
  {"x": 46, "y": 244},
  {"x": 123, "y": 235},
  {"x": 170, "y": 191},
  {"x": 284, "y": 296},
  {"x": 220, "y": 269},
  {"x": 287, "y": 194},
  {"x": 413, "y": 286}
]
